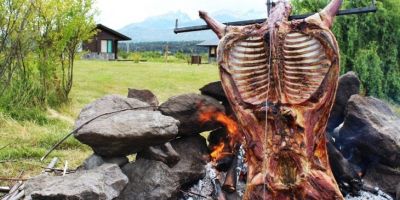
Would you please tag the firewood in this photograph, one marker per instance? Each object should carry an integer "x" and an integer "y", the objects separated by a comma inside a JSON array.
[
  {"x": 15, "y": 187},
  {"x": 65, "y": 168},
  {"x": 231, "y": 177},
  {"x": 217, "y": 191},
  {"x": 51, "y": 165},
  {"x": 4, "y": 189},
  {"x": 18, "y": 196},
  {"x": 12, "y": 179}
]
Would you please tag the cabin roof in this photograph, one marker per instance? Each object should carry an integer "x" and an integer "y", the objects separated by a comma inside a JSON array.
[
  {"x": 209, "y": 43},
  {"x": 117, "y": 34}
]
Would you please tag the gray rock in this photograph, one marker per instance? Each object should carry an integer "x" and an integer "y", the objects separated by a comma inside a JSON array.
[
  {"x": 150, "y": 179},
  {"x": 164, "y": 153},
  {"x": 348, "y": 85},
  {"x": 127, "y": 132},
  {"x": 107, "y": 104},
  {"x": 103, "y": 183},
  {"x": 94, "y": 161},
  {"x": 214, "y": 90},
  {"x": 345, "y": 173},
  {"x": 143, "y": 95},
  {"x": 372, "y": 130},
  {"x": 187, "y": 109},
  {"x": 383, "y": 177},
  {"x": 398, "y": 192}
]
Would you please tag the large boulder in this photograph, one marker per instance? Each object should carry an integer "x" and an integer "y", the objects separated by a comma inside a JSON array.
[
  {"x": 150, "y": 179},
  {"x": 108, "y": 104},
  {"x": 187, "y": 108},
  {"x": 143, "y": 95},
  {"x": 372, "y": 130},
  {"x": 105, "y": 183},
  {"x": 383, "y": 177},
  {"x": 126, "y": 132},
  {"x": 348, "y": 85}
]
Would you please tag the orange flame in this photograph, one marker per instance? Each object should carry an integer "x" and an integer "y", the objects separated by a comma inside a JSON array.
[
  {"x": 217, "y": 151},
  {"x": 229, "y": 123},
  {"x": 230, "y": 126}
]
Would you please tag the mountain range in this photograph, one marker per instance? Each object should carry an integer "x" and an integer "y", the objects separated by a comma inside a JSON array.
[{"x": 160, "y": 28}]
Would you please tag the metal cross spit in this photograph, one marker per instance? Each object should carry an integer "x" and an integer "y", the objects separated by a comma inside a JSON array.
[{"x": 368, "y": 9}]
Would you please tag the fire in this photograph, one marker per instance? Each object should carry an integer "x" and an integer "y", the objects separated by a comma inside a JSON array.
[
  {"x": 217, "y": 151},
  {"x": 230, "y": 125},
  {"x": 220, "y": 117}
]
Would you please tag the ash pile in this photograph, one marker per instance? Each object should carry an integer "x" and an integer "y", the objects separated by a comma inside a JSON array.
[{"x": 174, "y": 161}]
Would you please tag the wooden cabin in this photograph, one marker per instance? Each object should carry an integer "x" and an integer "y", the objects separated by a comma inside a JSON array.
[
  {"x": 212, "y": 49},
  {"x": 104, "y": 44}
]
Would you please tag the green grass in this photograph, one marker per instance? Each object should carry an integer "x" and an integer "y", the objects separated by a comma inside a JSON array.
[
  {"x": 25, "y": 142},
  {"x": 94, "y": 79}
]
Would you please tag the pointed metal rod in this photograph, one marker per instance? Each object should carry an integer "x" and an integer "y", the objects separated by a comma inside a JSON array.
[{"x": 258, "y": 21}]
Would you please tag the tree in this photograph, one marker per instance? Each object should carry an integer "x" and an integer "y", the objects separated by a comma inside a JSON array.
[
  {"x": 39, "y": 40},
  {"x": 376, "y": 34},
  {"x": 367, "y": 64}
]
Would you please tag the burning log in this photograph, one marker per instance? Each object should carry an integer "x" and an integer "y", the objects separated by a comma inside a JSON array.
[
  {"x": 231, "y": 177},
  {"x": 280, "y": 78},
  {"x": 224, "y": 161}
]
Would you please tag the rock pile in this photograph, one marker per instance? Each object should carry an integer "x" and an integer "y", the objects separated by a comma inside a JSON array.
[
  {"x": 173, "y": 160},
  {"x": 170, "y": 153},
  {"x": 365, "y": 137}
]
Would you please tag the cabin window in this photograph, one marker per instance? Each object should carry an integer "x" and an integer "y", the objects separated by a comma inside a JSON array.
[
  {"x": 106, "y": 46},
  {"x": 213, "y": 51}
]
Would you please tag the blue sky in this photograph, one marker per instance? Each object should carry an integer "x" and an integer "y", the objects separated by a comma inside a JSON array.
[{"x": 118, "y": 13}]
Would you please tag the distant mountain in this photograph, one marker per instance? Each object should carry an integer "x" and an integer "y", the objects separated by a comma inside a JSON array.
[{"x": 160, "y": 28}]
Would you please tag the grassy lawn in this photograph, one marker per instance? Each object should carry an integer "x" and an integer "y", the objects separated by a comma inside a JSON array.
[{"x": 24, "y": 143}]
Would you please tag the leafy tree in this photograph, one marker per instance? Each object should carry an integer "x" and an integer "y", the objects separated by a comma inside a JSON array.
[
  {"x": 367, "y": 64},
  {"x": 39, "y": 40},
  {"x": 375, "y": 34}
]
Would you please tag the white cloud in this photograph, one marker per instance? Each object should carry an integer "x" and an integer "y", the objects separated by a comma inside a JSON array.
[{"x": 118, "y": 13}]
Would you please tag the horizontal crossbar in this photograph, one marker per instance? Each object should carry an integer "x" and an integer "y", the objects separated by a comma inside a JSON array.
[{"x": 258, "y": 21}]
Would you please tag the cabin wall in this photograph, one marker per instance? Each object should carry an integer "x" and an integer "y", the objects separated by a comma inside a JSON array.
[{"x": 94, "y": 46}]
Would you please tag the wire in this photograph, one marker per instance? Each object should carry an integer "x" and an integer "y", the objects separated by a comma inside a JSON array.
[
  {"x": 266, "y": 113},
  {"x": 87, "y": 122}
]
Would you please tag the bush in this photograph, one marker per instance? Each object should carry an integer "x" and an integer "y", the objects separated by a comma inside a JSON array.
[
  {"x": 37, "y": 60},
  {"x": 136, "y": 57},
  {"x": 123, "y": 54}
]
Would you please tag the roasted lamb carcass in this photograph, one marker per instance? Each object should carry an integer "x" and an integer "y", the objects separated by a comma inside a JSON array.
[{"x": 280, "y": 78}]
